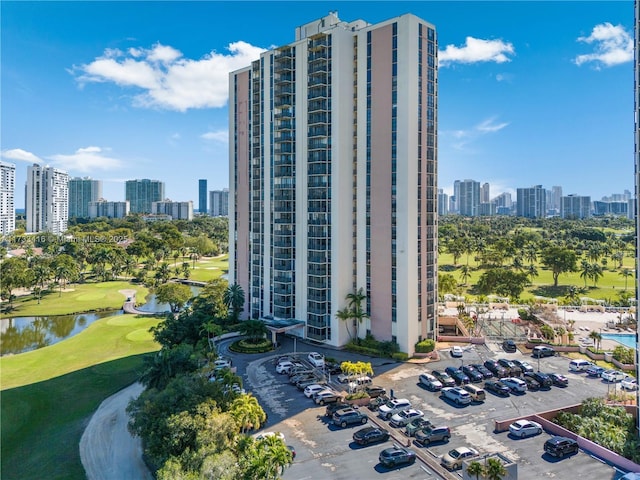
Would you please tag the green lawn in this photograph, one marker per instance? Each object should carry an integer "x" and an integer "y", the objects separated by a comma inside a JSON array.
[
  {"x": 82, "y": 298},
  {"x": 48, "y": 395},
  {"x": 205, "y": 269}
]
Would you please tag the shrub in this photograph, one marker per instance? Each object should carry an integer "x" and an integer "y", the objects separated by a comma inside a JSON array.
[
  {"x": 624, "y": 354},
  {"x": 357, "y": 396},
  {"x": 244, "y": 346},
  {"x": 425, "y": 346},
  {"x": 400, "y": 356}
]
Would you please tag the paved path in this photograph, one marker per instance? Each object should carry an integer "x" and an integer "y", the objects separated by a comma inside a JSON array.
[{"x": 130, "y": 305}]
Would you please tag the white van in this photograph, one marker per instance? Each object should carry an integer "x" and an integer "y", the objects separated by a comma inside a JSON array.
[
  {"x": 579, "y": 365},
  {"x": 360, "y": 382}
]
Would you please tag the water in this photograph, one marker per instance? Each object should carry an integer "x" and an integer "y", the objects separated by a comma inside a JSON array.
[
  {"x": 153, "y": 305},
  {"x": 626, "y": 339}
]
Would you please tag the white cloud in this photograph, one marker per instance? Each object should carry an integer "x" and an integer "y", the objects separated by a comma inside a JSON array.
[
  {"x": 464, "y": 137},
  {"x": 21, "y": 156},
  {"x": 613, "y": 45},
  {"x": 86, "y": 160},
  {"x": 476, "y": 50},
  {"x": 167, "y": 79},
  {"x": 488, "y": 126},
  {"x": 217, "y": 136}
]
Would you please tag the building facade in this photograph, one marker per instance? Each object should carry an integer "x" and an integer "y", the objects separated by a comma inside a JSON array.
[
  {"x": 104, "y": 208},
  {"x": 219, "y": 203},
  {"x": 202, "y": 196},
  {"x": 177, "y": 210},
  {"x": 82, "y": 191},
  {"x": 531, "y": 202},
  {"x": 333, "y": 180},
  {"x": 7, "y": 198},
  {"x": 468, "y": 198},
  {"x": 575, "y": 206},
  {"x": 141, "y": 193},
  {"x": 443, "y": 202},
  {"x": 47, "y": 199}
]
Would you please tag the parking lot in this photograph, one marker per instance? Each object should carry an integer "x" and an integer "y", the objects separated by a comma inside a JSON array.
[{"x": 325, "y": 451}]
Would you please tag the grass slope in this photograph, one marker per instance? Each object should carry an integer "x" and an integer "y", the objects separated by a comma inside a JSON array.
[{"x": 49, "y": 395}]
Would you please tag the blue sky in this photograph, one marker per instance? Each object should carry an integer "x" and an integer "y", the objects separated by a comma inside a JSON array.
[{"x": 529, "y": 92}]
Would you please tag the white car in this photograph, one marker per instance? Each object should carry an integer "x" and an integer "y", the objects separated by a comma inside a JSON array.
[
  {"x": 394, "y": 406},
  {"x": 454, "y": 458},
  {"x": 613, "y": 376},
  {"x": 456, "y": 351},
  {"x": 325, "y": 396},
  {"x": 316, "y": 359},
  {"x": 525, "y": 428},
  {"x": 629, "y": 383},
  {"x": 222, "y": 363},
  {"x": 284, "y": 367},
  {"x": 315, "y": 388},
  {"x": 402, "y": 418},
  {"x": 263, "y": 435},
  {"x": 515, "y": 384}
]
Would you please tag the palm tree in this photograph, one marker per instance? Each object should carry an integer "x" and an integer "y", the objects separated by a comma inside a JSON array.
[
  {"x": 163, "y": 273},
  {"x": 355, "y": 305},
  {"x": 597, "y": 338},
  {"x": 494, "y": 469},
  {"x": 276, "y": 455},
  {"x": 234, "y": 299},
  {"x": 475, "y": 468},
  {"x": 247, "y": 412},
  {"x": 254, "y": 329},
  {"x": 465, "y": 273},
  {"x": 626, "y": 273},
  {"x": 585, "y": 271},
  {"x": 345, "y": 315},
  {"x": 596, "y": 273}
]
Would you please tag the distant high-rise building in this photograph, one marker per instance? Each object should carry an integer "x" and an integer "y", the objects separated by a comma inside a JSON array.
[
  {"x": 531, "y": 202},
  {"x": 333, "y": 180},
  {"x": 81, "y": 192},
  {"x": 456, "y": 197},
  {"x": 575, "y": 206},
  {"x": 503, "y": 204},
  {"x": 202, "y": 195},
  {"x": 177, "y": 210},
  {"x": 104, "y": 208},
  {"x": 485, "y": 193},
  {"x": 469, "y": 198},
  {"x": 556, "y": 195},
  {"x": 47, "y": 199},
  {"x": 7, "y": 198},
  {"x": 142, "y": 193},
  {"x": 219, "y": 203},
  {"x": 443, "y": 202}
]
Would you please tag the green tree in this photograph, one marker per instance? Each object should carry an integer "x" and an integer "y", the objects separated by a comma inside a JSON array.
[
  {"x": 559, "y": 260},
  {"x": 446, "y": 283},
  {"x": 358, "y": 314},
  {"x": 597, "y": 338},
  {"x": 163, "y": 273},
  {"x": 13, "y": 274},
  {"x": 475, "y": 468},
  {"x": 175, "y": 294},
  {"x": 247, "y": 412},
  {"x": 626, "y": 273},
  {"x": 494, "y": 469},
  {"x": 65, "y": 270},
  {"x": 585, "y": 271},
  {"x": 465, "y": 273},
  {"x": 344, "y": 314},
  {"x": 160, "y": 368},
  {"x": 254, "y": 329},
  {"x": 234, "y": 299}
]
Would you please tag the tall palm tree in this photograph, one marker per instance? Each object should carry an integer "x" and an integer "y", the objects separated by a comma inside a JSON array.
[
  {"x": 596, "y": 273},
  {"x": 585, "y": 271},
  {"x": 355, "y": 305},
  {"x": 247, "y": 412},
  {"x": 345, "y": 315},
  {"x": 495, "y": 469},
  {"x": 475, "y": 468},
  {"x": 276, "y": 455},
  {"x": 626, "y": 273},
  {"x": 597, "y": 338},
  {"x": 465, "y": 273},
  {"x": 234, "y": 299}
]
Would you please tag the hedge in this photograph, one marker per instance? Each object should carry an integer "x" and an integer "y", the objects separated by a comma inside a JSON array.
[
  {"x": 244, "y": 346},
  {"x": 425, "y": 346}
]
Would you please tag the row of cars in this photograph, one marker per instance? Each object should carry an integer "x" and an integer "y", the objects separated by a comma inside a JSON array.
[{"x": 627, "y": 382}]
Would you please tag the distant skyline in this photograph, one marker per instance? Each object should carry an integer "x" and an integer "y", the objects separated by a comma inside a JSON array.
[{"x": 529, "y": 92}]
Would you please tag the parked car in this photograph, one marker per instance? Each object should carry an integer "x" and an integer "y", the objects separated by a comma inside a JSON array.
[
  {"x": 263, "y": 435},
  {"x": 416, "y": 424},
  {"x": 349, "y": 416},
  {"x": 509, "y": 346},
  {"x": 524, "y": 365},
  {"x": 221, "y": 363},
  {"x": 453, "y": 458},
  {"x": 292, "y": 449},
  {"x": 369, "y": 435},
  {"x": 456, "y": 351},
  {"x": 525, "y": 428},
  {"x": 374, "y": 391},
  {"x": 393, "y": 406},
  {"x": 444, "y": 378},
  {"x": 316, "y": 359},
  {"x": 312, "y": 389},
  {"x": 510, "y": 367},
  {"x": 301, "y": 376},
  {"x": 284, "y": 367},
  {"x": 495, "y": 368},
  {"x": 458, "y": 375},
  {"x": 542, "y": 378},
  {"x": 595, "y": 371},
  {"x": 515, "y": 384},
  {"x": 430, "y": 382},
  {"x": 559, "y": 380},
  {"x": 377, "y": 402},
  {"x": 334, "y": 407},
  {"x": 477, "y": 393},
  {"x": 457, "y": 395},
  {"x": 613, "y": 376},
  {"x": 497, "y": 387},
  {"x": 542, "y": 351},
  {"x": 360, "y": 383},
  {"x": 532, "y": 384},
  {"x": 560, "y": 446},
  {"x": 432, "y": 433},
  {"x": 390, "y": 457},
  {"x": 629, "y": 383},
  {"x": 579, "y": 365},
  {"x": 474, "y": 375},
  {"x": 401, "y": 419},
  {"x": 315, "y": 380},
  {"x": 327, "y": 396},
  {"x": 486, "y": 373},
  {"x": 332, "y": 368}
]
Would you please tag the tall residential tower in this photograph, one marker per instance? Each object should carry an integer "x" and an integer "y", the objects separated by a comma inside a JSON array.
[
  {"x": 7, "y": 196},
  {"x": 333, "y": 169},
  {"x": 47, "y": 199},
  {"x": 142, "y": 193},
  {"x": 81, "y": 192}
]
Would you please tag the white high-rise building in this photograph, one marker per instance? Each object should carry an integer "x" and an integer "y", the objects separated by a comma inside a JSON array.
[
  {"x": 219, "y": 203},
  {"x": 333, "y": 180},
  {"x": 104, "y": 208},
  {"x": 7, "y": 198},
  {"x": 47, "y": 199},
  {"x": 177, "y": 210}
]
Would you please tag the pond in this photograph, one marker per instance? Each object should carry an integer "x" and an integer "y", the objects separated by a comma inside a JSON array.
[{"x": 22, "y": 334}]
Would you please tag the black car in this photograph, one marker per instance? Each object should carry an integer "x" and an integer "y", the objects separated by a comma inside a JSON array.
[
  {"x": 333, "y": 408},
  {"x": 560, "y": 446},
  {"x": 332, "y": 368},
  {"x": 510, "y": 367},
  {"x": 486, "y": 373},
  {"x": 292, "y": 449},
  {"x": 495, "y": 368},
  {"x": 559, "y": 380},
  {"x": 390, "y": 457},
  {"x": 369, "y": 435},
  {"x": 458, "y": 375},
  {"x": 374, "y": 391},
  {"x": 474, "y": 375},
  {"x": 509, "y": 346},
  {"x": 497, "y": 387},
  {"x": 542, "y": 378},
  {"x": 532, "y": 384},
  {"x": 444, "y": 378},
  {"x": 542, "y": 351},
  {"x": 349, "y": 416}
]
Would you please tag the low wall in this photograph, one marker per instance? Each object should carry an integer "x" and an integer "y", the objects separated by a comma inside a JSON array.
[{"x": 455, "y": 338}]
